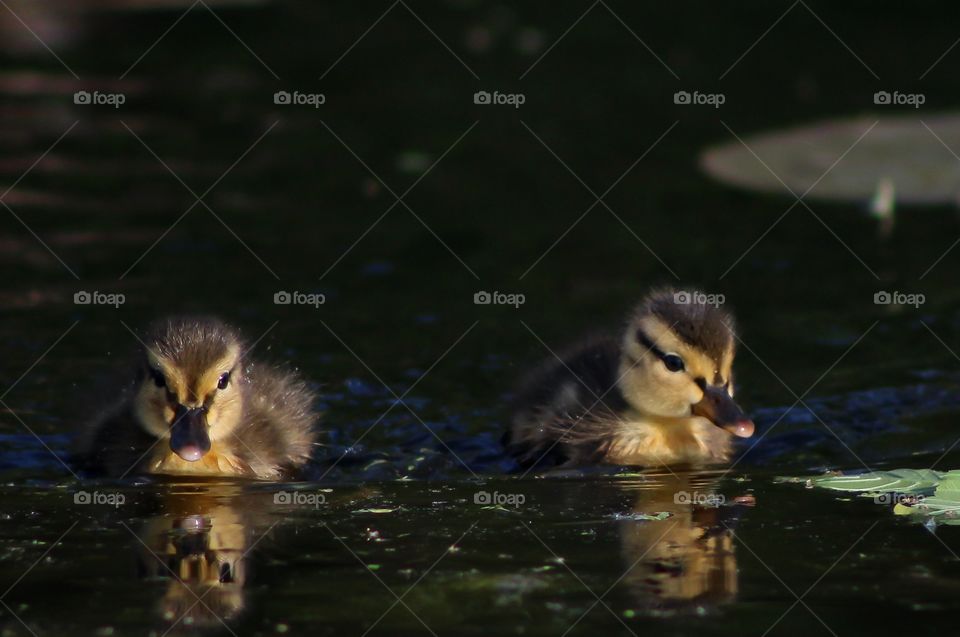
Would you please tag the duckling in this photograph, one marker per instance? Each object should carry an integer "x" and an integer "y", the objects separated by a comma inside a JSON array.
[
  {"x": 199, "y": 407},
  {"x": 659, "y": 394}
]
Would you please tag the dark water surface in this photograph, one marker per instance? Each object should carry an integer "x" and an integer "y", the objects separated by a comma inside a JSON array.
[{"x": 297, "y": 198}]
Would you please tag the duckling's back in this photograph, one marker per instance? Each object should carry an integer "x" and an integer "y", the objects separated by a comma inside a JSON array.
[
  {"x": 553, "y": 401},
  {"x": 279, "y": 428}
]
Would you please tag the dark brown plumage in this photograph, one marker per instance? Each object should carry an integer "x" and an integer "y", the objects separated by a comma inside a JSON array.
[
  {"x": 195, "y": 343},
  {"x": 706, "y": 327}
]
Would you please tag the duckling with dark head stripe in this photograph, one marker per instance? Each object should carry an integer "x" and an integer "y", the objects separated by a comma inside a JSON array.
[
  {"x": 660, "y": 393},
  {"x": 199, "y": 407}
]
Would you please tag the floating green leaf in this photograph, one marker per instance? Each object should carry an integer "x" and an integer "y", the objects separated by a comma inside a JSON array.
[
  {"x": 944, "y": 505},
  {"x": 899, "y": 150},
  {"x": 927, "y": 496},
  {"x": 656, "y": 517},
  {"x": 949, "y": 486},
  {"x": 907, "y": 481}
]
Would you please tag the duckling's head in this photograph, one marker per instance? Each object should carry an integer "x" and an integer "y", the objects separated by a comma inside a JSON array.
[
  {"x": 677, "y": 361},
  {"x": 189, "y": 389}
]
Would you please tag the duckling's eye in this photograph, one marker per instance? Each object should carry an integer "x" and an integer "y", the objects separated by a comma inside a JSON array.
[
  {"x": 224, "y": 380},
  {"x": 673, "y": 362},
  {"x": 157, "y": 377}
]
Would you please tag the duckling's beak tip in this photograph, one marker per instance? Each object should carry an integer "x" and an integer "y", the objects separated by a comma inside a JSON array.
[
  {"x": 189, "y": 453},
  {"x": 741, "y": 428}
]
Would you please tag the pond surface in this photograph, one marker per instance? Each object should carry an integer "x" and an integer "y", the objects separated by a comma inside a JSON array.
[{"x": 414, "y": 499}]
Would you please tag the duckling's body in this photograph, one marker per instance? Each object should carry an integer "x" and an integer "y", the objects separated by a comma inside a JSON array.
[
  {"x": 613, "y": 399},
  {"x": 198, "y": 407}
]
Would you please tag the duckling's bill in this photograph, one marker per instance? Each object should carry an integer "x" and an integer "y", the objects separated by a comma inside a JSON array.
[
  {"x": 719, "y": 408},
  {"x": 189, "y": 438}
]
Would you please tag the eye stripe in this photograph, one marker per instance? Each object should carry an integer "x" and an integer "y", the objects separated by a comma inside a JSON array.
[
  {"x": 158, "y": 378},
  {"x": 646, "y": 342},
  {"x": 672, "y": 362}
]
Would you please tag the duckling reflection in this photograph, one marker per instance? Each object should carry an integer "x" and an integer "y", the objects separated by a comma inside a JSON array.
[
  {"x": 199, "y": 546},
  {"x": 687, "y": 560}
]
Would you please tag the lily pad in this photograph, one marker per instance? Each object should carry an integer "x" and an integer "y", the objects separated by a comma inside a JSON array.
[
  {"x": 929, "y": 497},
  {"x": 908, "y": 481},
  {"x": 654, "y": 517},
  {"x": 849, "y": 160},
  {"x": 943, "y": 505},
  {"x": 949, "y": 486}
]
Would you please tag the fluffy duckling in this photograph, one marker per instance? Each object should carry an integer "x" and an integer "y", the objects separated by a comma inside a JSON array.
[
  {"x": 199, "y": 407},
  {"x": 660, "y": 393}
]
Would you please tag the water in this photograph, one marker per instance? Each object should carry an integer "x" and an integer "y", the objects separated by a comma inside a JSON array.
[{"x": 877, "y": 383}]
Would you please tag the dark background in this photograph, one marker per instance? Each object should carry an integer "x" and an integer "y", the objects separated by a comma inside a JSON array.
[{"x": 292, "y": 214}]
